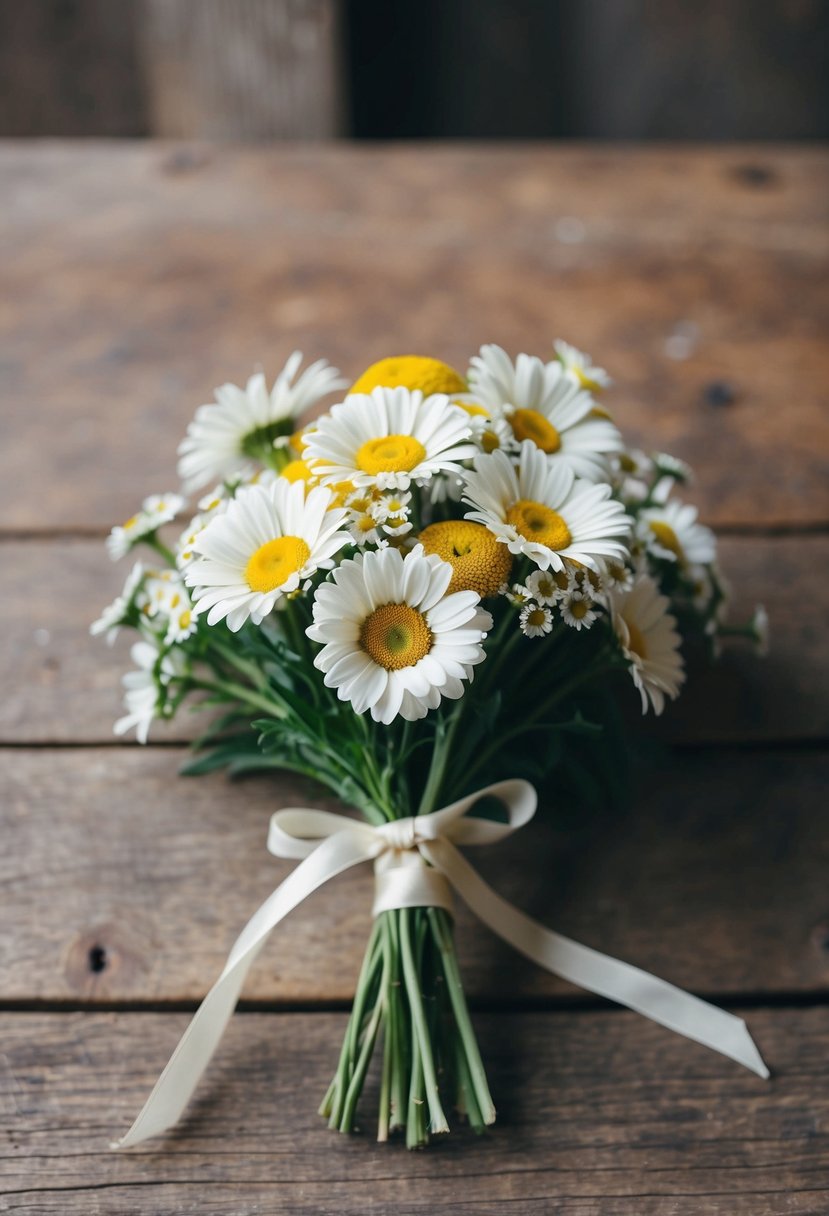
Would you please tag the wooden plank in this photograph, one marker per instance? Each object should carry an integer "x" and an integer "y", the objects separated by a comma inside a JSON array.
[
  {"x": 71, "y": 70},
  {"x": 64, "y": 686},
  {"x": 599, "y": 1114},
  {"x": 244, "y": 69},
  {"x": 135, "y": 278},
  {"x": 123, "y": 882}
]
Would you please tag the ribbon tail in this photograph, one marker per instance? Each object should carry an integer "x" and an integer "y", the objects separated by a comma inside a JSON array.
[
  {"x": 646, "y": 994},
  {"x": 179, "y": 1079}
]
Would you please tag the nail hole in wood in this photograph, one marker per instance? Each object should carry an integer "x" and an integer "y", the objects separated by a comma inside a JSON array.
[
  {"x": 97, "y": 959},
  {"x": 719, "y": 393}
]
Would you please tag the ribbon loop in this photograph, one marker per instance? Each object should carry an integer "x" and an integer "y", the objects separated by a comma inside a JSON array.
[{"x": 417, "y": 865}]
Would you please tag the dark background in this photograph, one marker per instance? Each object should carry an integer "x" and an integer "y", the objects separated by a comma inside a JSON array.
[{"x": 268, "y": 69}]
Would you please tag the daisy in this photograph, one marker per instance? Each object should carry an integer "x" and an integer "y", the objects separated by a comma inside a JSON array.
[
  {"x": 122, "y": 607},
  {"x": 478, "y": 562},
  {"x": 156, "y": 510},
  {"x": 243, "y": 423},
  {"x": 578, "y": 610},
  {"x": 541, "y": 403},
  {"x": 389, "y": 439},
  {"x": 393, "y": 641},
  {"x": 671, "y": 532},
  {"x": 649, "y": 640},
  {"x": 535, "y": 620},
  {"x": 579, "y": 366},
  {"x": 267, "y": 542},
  {"x": 546, "y": 586},
  {"x": 145, "y": 688},
  {"x": 544, "y": 512}
]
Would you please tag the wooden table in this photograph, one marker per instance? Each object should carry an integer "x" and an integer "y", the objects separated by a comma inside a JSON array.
[{"x": 135, "y": 278}]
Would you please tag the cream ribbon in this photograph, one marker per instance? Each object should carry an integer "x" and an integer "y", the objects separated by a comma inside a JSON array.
[{"x": 326, "y": 844}]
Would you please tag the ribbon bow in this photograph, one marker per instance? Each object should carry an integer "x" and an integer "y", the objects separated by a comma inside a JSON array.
[{"x": 417, "y": 864}]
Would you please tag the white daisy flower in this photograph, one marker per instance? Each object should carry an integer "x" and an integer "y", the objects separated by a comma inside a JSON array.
[
  {"x": 389, "y": 506},
  {"x": 393, "y": 641},
  {"x": 541, "y": 403},
  {"x": 117, "y": 613},
  {"x": 517, "y": 595},
  {"x": 261, "y": 549},
  {"x": 390, "y": 439},
  {"x": 145, "y": 695},
  {"x": 578, "y": 610},
  {"x": 363, "y": 528},
  {"x": 671, "y": 532},
  {"x": 546, "y": 586},
  {"x": 182, "y": 623},
  {"x": 156, "y": 510},
  {"x": 242, "y": 424},
  {"x": 535, "y": 620},
  {"x": 580, "y": 367},
  {"x": 544, "y": 512},
  {"x": 649, "y": 640}
]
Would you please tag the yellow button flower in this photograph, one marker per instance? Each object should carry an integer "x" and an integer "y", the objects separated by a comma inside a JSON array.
[{"x": 411, "y": 371}]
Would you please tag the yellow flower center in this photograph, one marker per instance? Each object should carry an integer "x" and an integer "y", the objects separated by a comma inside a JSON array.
[
  {"x": 274, "y": 562},
  {"x": 479, "y": 563},
  {"x": 537, "y": 618},
  {"x": 580, "y": 608},
  {"x": 129, "y": 523},
  {"x": 490, "y": 441},
  {"x": 411, "y": 371},
  {"x": 185, "y": 619},
  {"x": 548, "y": 583},
  {"x": 390, "y": 454},
  {"x": 667, "y": 538},
  {"x": 585, "y": 381},
  {"x": 297, "y": 470},
  {"x": 365, "y": 523},
  {"x": 636, "y": 640},
  {"x": 529, "y": 424},
  {"x": 539, "y": 523},
  {"x": 395, "y": 636}
]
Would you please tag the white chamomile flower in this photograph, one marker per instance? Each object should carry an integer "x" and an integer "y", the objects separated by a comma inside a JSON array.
[
  {"x": 647, "y": 634},
  {"x": 544, "y": 512},
  {"x": 546, "y": 586},
  {"x": 616, "y": 574},
  {"x": 671, "y": 532},
  {"x": 397, "y": 525},
  {"x": 263, "y": 547},
  {"x": 156, "y": 510},
  {"x": 535, "y": 620},
  {"x": 578, "y": 610},
  {"x": 182, "y": 623},
  {"x": 518, "y": 594},
  {"x": 393, "y": 641},
  {"x": 492, "y": 431},
  {"x": 389, "y": 439},
  {"x": 581, "y": 368},
  {"x": 363, "y": 528},
  {"x": 674, "y": 468},
  {"x": 117, "y": 613},
  {"x": 389, "y": 506},
  {"x": 243, "y": 423},
  {"x": 544, "y": 405},
  {"x": 145, "y": 688}
]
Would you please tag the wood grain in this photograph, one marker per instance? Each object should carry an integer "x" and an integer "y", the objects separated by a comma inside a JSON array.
[
  {"x": 135, "y": 278},
  {"x": 62, "y": 686},
  {"x": 243, "y": 69},
  {"x": 599, "y": 1115},
  {"x": 123, "y": 882}
]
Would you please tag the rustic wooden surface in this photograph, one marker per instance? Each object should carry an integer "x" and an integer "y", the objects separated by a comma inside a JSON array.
[{"x": 134, "y": 279}]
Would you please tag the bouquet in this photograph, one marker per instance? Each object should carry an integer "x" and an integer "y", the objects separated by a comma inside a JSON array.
[{"x": 424, "y": 598}]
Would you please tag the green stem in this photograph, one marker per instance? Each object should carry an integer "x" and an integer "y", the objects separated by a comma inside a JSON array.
[
  {"x": 420, "y": 1031},
  {"x": 442, "y": 932}
]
